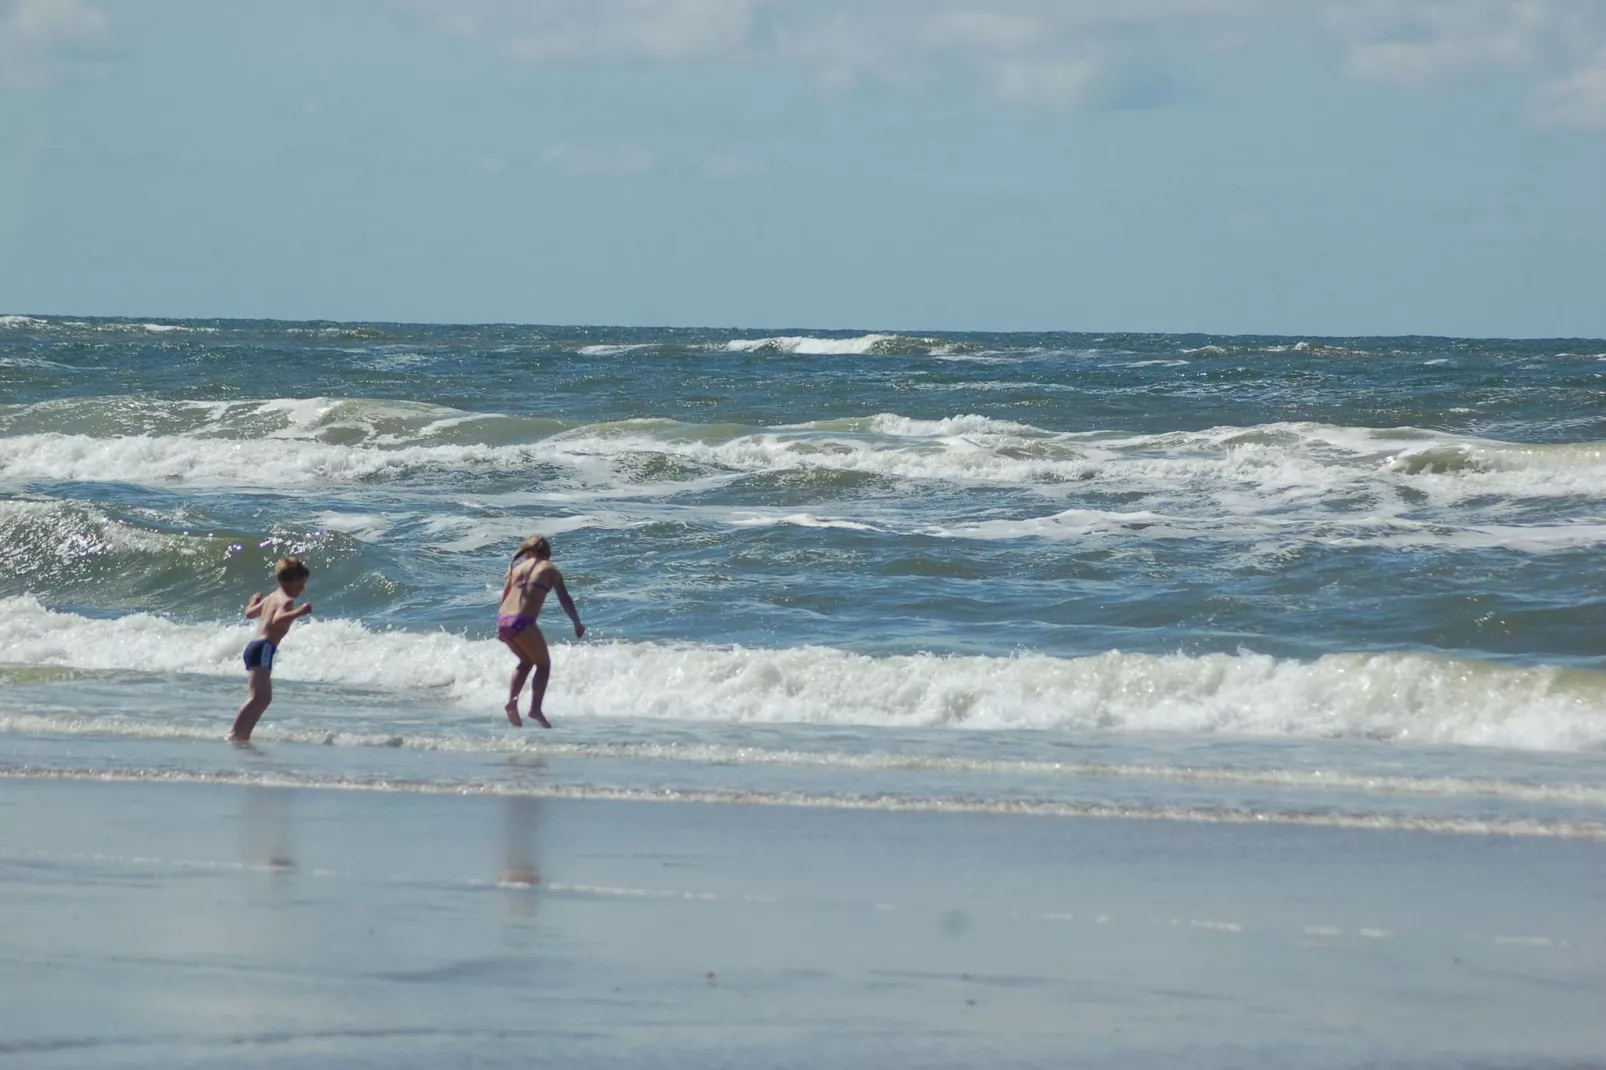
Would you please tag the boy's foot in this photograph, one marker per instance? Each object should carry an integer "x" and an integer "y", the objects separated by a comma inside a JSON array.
[
  {"x": 540, "y": 718},
  {"x": 512, "y": 711}
]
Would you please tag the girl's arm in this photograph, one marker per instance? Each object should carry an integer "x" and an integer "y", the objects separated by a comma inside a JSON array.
[
  {"x": 567, "y": 603},
  {"x": 253, "y": 608}
]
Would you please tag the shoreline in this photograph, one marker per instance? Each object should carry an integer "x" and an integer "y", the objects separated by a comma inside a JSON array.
[{"x": 1490, "y": 827}]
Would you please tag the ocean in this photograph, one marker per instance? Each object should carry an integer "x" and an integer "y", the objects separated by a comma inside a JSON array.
[{"x": 1336, "y": 581}]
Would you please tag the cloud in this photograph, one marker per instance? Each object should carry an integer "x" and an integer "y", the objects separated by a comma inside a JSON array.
[
  {"x": 1056, "y": 83},
  {"x": 1068, "y": 53},
  {"x": 1576, "y": 100},
  {"x": 999, "y": 31},
  {"x": 615, "y": 161},
  {"x": 556, "y": 29},
  {"x": 36, "y": 34},
  {"x": 1411, "y": 42}
]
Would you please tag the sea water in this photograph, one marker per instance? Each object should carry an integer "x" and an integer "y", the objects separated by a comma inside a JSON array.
[{"x": 1333, "y": 581}]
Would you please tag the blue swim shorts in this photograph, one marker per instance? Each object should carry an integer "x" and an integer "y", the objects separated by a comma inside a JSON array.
[{"x": 259, "y": 654}]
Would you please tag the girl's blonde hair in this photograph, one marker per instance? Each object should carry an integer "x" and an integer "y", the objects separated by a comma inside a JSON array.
[{"x": 534, "y": 546}]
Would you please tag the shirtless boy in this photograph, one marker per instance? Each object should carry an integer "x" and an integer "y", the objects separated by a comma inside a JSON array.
[
  {"x": 277, "y": 612},
  {"x": 530, "y": 576}
]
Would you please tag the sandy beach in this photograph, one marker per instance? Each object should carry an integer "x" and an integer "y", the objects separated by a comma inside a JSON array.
[{"x": 185, "y": 924}]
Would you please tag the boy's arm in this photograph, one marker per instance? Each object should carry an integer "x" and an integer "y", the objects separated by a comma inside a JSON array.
[
  {"x": 253, "y": 608},
  {"x": 300, "y": 611},
  {"x": 567, "y": 603}
]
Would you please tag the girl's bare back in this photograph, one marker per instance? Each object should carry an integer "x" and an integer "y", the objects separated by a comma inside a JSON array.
[{"x": 526, "y": 589}]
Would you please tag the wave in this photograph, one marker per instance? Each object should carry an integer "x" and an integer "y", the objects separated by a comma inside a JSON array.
[
  {"x": 1398, "y": 533},
  {"x": 43, "y": 536},
  {"x": 337, "y": 421},
  {"x": 147, "y": 460},
  {"x": 133, "y": 557},
  {"x": 862, "y": 345},
  {"x": 174, "y": 328},
  {"x": 37, "y": 323},
  {"x": 358, "y": 332},
  {"x": 1232, "y": 470},
  {"x": 1406, "y": 697}
]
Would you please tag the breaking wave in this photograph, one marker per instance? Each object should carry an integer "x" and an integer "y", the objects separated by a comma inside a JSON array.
[
  {"x": 1399, "y": 696},
  {"x": 1235, "y": 470}
]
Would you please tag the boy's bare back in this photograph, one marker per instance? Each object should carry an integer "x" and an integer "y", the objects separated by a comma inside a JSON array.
[{"x": 276, "y": 612}]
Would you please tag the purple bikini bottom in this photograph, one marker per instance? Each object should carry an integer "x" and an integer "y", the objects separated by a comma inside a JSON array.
[{"x": 507, "y": 626}]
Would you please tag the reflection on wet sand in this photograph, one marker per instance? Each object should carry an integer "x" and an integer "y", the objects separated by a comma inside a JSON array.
[
  {"x": 266, "y": 823},
  {"x": 519, "y": 867}
]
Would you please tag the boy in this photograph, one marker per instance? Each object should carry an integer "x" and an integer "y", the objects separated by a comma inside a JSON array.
[{"x": 277, "y": 612}]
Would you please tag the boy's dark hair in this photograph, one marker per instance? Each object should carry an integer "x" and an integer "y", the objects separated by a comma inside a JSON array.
[{"x": 290, "y": 569}]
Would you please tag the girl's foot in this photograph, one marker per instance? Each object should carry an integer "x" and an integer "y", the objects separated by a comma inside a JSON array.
[
  {"x": 540, "y": 718},
  {"x": 512, "y": 711}
]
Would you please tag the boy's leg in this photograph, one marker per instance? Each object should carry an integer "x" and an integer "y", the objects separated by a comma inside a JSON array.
[{"x": 258, "y": 693}]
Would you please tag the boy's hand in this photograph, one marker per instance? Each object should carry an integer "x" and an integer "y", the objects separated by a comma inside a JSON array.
[
  {"x": 579, "y": 630},
  {"x": 306, "y": 608},
  {"x": 256, "y": 596}
]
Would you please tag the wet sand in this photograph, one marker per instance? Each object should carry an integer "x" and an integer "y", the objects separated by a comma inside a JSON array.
[{"x": 177, "y": 924}]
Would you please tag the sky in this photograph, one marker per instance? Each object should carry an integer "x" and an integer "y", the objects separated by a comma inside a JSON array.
[{"x": 1310, "y": 167}]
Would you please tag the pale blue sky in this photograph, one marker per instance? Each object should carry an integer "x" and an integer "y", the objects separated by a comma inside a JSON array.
[{"x": 1281, "y": 166}]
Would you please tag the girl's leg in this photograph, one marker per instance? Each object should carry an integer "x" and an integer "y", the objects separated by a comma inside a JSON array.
[
  {"x": 532, "y": 646},
  {"x": 520, "y": 674},
  {"x": 258, "y": 693}
]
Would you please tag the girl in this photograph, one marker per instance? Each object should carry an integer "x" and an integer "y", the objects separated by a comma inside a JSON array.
[{"x": 530, "y": 576}]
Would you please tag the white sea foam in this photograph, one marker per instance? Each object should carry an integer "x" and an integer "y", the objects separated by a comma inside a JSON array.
[
  {"x": 367, "y": 527},
  {"x": 467, "y": 534},
  {"x": 1082, "y": 523},
  {"x": 1361, "y": 530},
  {"x": 798, "y": 520},
  {"x": 614, "y": 350},
  {"x": 1409, "y": 697},
  {"x": 14, "y": 320},
  {"x": 197, "y": 461},
  {"x": 812, "y": 346},
  {"x": 34, "y": 362}
]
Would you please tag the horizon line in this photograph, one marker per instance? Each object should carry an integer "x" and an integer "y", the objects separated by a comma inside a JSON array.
[{"x": 793, "y": 330}]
